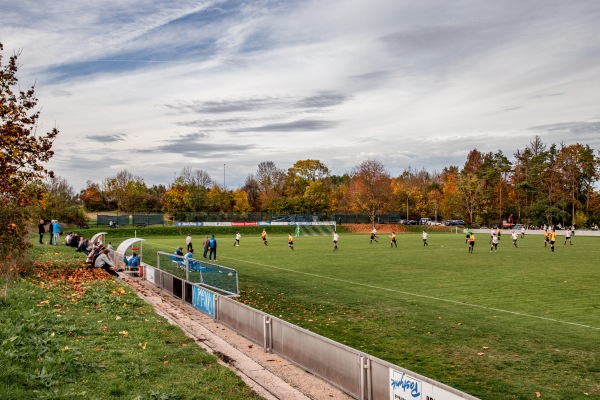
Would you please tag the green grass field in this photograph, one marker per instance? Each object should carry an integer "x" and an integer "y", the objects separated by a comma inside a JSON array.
[{"x": 505, "y": 325}]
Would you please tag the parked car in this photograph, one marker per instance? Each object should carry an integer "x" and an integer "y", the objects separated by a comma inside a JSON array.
[
  {"x": 517, "y": 227},
  {"x": 455, "y": 222},
  {"x": 413, "y": 222}
]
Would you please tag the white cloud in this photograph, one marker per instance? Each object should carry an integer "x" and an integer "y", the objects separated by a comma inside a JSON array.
[{"x": 413, "y": 84}]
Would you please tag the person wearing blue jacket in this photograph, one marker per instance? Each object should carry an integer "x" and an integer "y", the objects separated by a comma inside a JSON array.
[{"x": 212, "y": 244}]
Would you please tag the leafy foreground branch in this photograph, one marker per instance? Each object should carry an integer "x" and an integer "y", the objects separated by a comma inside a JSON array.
[{"x": 67, "y": 332}]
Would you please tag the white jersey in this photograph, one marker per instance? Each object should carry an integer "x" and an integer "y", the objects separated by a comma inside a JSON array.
[
  {"x": 188, "y": 239},
  {"x": 425, "y": 235},
  {"x": 514, "y": 236},
  {"x": 335, "y": 237},
  {"x": 494, "y": 239},
  {"x": 237, "y": 236}
]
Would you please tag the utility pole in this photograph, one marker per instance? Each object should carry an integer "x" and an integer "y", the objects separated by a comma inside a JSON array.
[{"x": 223, "y": 176}]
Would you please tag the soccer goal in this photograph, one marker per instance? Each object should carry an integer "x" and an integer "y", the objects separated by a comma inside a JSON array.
[{"x": 321, "y": 228}]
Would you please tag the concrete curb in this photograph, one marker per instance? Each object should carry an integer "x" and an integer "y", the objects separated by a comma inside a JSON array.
[{"x": 267, "y": 374}]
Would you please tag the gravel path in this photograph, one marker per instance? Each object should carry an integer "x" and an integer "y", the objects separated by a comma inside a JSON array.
[{"x": 269, "y": 375}]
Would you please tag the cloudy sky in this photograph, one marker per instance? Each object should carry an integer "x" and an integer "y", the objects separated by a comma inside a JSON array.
[{"x": 154, "y": 86}]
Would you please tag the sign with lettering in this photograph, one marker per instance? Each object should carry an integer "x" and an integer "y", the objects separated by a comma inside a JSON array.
[
  {"x": 407, "y": 387},
  {"x": 203, "y": 300}
]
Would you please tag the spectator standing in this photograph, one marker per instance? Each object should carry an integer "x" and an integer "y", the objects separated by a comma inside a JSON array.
[
  {"x": 41, "y": 230},
  {"x": 205, "y": 245},
  {"x": 212, "y": 244},
  {"x": 55, "y": 232}
]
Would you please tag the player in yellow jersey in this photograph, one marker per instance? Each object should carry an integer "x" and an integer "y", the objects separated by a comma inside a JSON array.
[
  {"x": 263, "y": 235},
  {"x": 290, "y": 241},
  {"x": 471, "y": 242},
  {"x": 552, "y": 240},
  {"x": 393, "y": 242}
]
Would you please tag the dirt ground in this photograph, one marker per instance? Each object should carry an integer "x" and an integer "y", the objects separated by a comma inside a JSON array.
[
  {"x": 381, "y": 228},
  {"x": 268, "y": 374}
]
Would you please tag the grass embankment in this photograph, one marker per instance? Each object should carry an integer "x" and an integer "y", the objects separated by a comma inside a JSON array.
[{"x": 71, "y": 333}]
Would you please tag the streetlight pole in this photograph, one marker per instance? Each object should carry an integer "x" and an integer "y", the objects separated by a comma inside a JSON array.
[{"x": 223, "y": 176}]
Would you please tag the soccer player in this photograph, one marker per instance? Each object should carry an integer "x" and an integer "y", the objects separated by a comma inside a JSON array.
[
  {"x": 514, "y": 238},
  {"x": 546, "y": 238},
  {"x": 471, "y": 242},
  {"x": 297, "y": 230},
  {"x": 290, "y": 241},
  {"x": 568, "y": 235},
  {"x": 522, "y": 232},
  {"x": 336, "y": 237},
  {"x": 552, "y": 240},
  {"x": 263, "y": 235},
  {"x": 188, "y": 241},
  {"x": 425, "y": 234},
  {"x": 374, "y": 236},
  {"x": 494, "y": 243},
  {"x": 237, "y": 240},
  {"x": 393, "y": 242},
  {"x": 467, "y": 235}
]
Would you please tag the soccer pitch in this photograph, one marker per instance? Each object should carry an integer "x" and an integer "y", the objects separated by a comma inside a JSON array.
[{"x": 504, "y": 325}]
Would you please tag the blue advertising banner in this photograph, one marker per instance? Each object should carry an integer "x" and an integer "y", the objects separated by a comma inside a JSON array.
[{"x": 203, "y": 300}]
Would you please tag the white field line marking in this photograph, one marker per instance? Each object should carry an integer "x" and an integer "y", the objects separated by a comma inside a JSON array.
[{"x": 420, "y": 295}]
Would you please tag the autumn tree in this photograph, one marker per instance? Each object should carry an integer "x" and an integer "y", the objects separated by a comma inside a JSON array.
[
  {"x": 369, "y": 190},
  {"x": 61, "y": 202},
  {"x": 92, "y": 197},
  {"x": 271, "y": 183},
  {"x": 451, "y": 206},
  {"x": 240, "y": 202},
  {"x": 198, "y": 184},
  {"x": 23, "y": 153}
]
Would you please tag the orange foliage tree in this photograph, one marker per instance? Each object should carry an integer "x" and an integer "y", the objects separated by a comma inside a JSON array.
[{"x": 23, "y": 152}]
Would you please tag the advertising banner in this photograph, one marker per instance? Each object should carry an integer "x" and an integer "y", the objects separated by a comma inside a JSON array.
[
  {"x": 217, "y": 224},
  {"x": 406, "y": 387},
  {"x": 149, "y": 273},
  {"x": 177, "y": 223},
  {"x": 203, "y": 300},
  {"x": 244, "y": 223}
]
